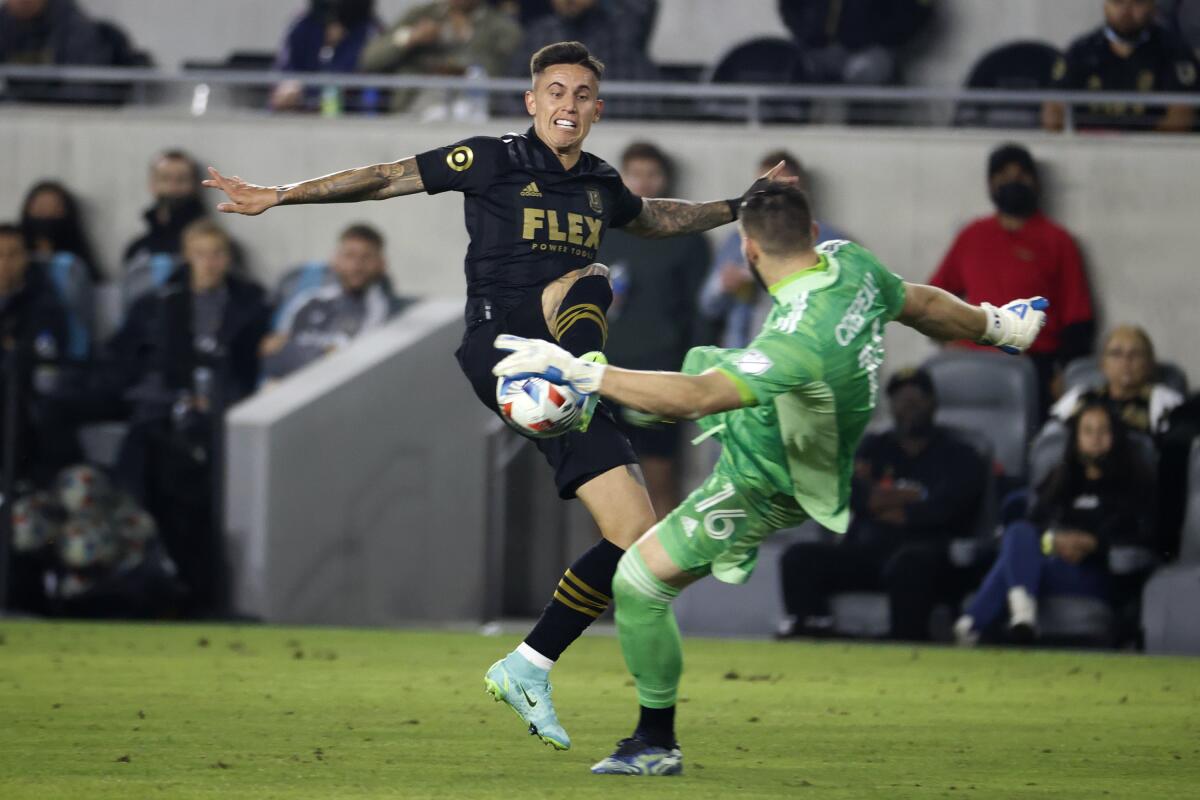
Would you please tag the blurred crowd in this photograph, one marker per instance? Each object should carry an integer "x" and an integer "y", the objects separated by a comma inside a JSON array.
[
  {"x": 1137, "y": 46},
  {"x": 194, "y": 333}
]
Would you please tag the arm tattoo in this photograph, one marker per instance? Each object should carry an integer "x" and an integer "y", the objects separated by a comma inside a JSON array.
[
  {"x": 661, "y": 218},
  {"x": 376, "y": 182}
]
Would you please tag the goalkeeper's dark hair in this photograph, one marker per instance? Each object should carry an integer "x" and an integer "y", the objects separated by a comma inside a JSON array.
[
  {"x": 565, "y": 53},
  {"x": 779, "y": 219}
]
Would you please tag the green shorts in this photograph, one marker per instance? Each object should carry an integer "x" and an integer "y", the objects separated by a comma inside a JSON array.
[{"x": 719, "y": 526}]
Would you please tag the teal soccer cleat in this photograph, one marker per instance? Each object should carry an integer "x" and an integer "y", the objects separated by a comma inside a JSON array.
[
  {"x": 635, "y": 757},
  {"x": 526, "y": 690}
]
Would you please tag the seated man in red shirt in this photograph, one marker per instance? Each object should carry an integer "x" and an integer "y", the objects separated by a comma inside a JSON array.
[{"x": 1020, "y": 252}]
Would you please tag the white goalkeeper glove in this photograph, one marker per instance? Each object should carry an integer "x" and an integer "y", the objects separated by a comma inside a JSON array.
[
  {"x": 536, "y": 358},
  {"x": 1014, "y": 326}
]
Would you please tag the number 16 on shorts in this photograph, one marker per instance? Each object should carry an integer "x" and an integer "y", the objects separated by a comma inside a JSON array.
[{"x": 718, "y": 522}]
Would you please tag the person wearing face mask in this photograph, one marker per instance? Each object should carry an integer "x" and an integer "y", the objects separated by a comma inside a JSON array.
[
  {"x": 329, "y": 37},
  {"x": 1094, "y": 499},
  {"x": 1131, "y": 52},
  {"x": 53, "y": 225},
  {"x": 1019, "y": 249},
  {"x": 175, "y": 186},
  {"x": 916, "y": 487},
  {"x": 58, "y": 246}
]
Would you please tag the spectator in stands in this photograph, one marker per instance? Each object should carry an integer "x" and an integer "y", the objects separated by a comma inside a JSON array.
[
  {"x": 33, "y": 326},
  {"x": 916, "y": 487},
  {"x": 58, "y": 244},
  {"x": 323, "y": 319},
  {"x": 53, "y": 225},
  {"x": 653, "y": 317},
  {"x": 855, "y": 41},
  {"x": 1183, "y": 17},
  {"x": 50, "y": 32},
  {"x": 1020, "y": 249},
  {"x": 1096, "y": 498},
  {"x": 1131, "y": 52},
  {"x": 1127, "y": 361},
  {"x": 615, "y": 31},
  {"x": 731, "y": 300},
  {"x": 190, "y": 350},
  {"x": 174, "y": 184},
  {"x": 447, "y": 37},
  {"x": 329, "y": 37}
]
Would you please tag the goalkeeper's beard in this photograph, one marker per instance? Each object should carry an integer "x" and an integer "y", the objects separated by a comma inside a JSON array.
[{"x": 758, "y": 278}]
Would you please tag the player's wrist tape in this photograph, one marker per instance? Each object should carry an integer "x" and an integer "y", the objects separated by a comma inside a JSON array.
[
  {"x": 585, "y": 376},
  {"x": 996, "y": 330}
]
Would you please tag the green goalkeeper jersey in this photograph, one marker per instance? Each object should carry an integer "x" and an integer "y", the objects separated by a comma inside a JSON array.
[{"x": 809, "y": 381}]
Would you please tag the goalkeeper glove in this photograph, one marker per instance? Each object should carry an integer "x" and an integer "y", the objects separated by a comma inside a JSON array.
[
  {"x": 1014, "y": 326},
  {"x": 536, "y": 358}
]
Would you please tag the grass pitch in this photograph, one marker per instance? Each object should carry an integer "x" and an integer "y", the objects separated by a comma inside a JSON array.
[{"x": 120, "y": 711}]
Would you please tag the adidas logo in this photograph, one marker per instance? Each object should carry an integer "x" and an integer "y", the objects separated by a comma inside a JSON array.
[{"x": 531, "y": 190}]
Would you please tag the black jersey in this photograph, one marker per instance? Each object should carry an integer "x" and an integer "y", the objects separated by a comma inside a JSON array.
[
  {"x": 530, "y": 221},
  {"x": 1160, "y": 63}
]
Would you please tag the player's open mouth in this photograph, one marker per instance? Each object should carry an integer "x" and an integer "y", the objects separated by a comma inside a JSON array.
[{"x": 565, "y": 124}]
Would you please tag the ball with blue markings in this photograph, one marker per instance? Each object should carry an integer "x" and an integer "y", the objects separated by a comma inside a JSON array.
[{"x": 537, "y": 408}]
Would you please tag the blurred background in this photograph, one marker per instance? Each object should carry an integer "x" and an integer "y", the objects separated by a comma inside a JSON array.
[{"x": 236, "y": 418}]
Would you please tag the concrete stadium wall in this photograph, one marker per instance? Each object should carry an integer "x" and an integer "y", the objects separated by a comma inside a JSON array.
[
  {"x": 904, "y": 193},
  {"x": 688, "y": 31},
  {"x": 356, "y": 490}
]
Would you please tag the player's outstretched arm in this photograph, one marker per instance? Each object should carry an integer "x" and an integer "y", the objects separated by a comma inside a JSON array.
[
  {"x": 940, "y": 315},
  {"x": 662, "y": 217},
  {"x": 374, "y": 182},
  {"x": 665, "y": 394}
]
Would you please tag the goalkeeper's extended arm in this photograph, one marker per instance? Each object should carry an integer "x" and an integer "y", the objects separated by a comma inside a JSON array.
[
  {"x": 671, "y": 395},
  {"x": 940, "y": 315}
]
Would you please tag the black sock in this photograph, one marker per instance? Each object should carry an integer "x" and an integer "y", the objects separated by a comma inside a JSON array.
[
  {"x": 656, "y": 726},
  {"x": 580, "y": 325},
  {"x": 581, "y": 596}
]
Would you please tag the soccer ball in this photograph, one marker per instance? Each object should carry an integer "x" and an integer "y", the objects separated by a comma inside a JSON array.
[{"x": 538, "y": 408}]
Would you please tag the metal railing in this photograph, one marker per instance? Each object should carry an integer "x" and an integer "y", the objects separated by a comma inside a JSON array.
[{"x": 748, "y": 103}]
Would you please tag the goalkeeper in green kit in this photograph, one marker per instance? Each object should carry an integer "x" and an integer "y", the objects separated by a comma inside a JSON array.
[{"x": 789, "y": 411}]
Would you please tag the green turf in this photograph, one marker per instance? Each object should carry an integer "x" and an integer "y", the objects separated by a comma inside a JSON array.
[{"x": 117, "y": 711}]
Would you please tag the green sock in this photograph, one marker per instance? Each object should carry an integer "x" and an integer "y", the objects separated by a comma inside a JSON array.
[{"x": 648, "y": 632}]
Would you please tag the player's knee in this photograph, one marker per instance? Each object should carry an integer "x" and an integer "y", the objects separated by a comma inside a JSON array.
[{"x": 588, "y": 294}]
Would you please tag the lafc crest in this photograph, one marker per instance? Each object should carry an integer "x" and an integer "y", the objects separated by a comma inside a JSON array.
[{"x": 594, "y": 200}]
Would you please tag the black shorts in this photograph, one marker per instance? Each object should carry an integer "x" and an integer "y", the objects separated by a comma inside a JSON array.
[{"x": 576, "y": 457}]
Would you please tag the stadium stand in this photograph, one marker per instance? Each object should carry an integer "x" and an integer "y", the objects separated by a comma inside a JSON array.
[
  {"x": 990, "y": 393},
  {"x": 1169, "y": 620},
  {"x": 1014, "y": 66},
  {"x": 868, "y": 614}
]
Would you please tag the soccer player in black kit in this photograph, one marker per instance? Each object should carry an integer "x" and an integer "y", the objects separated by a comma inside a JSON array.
[{"x": 536, "y": 208}]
